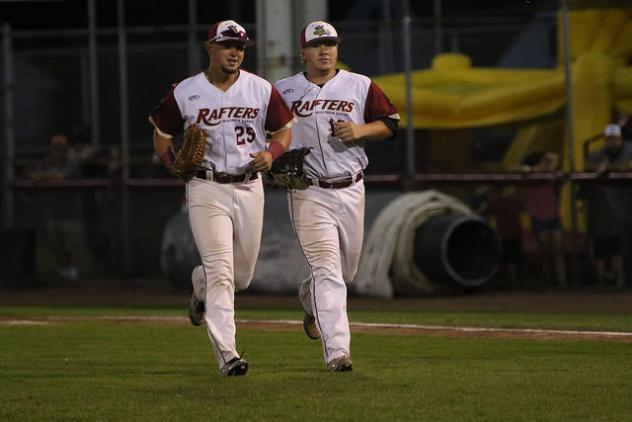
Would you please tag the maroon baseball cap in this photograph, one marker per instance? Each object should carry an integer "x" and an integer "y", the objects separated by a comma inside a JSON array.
[
  {"x": 228, "y": 31},
  {"x": 317, "y": 32}
]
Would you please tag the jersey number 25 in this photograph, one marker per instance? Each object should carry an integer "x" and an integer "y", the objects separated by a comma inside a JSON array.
[{"x": 244, "y": 134}]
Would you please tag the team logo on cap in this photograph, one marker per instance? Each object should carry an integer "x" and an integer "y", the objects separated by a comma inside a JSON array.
[
  {"x": 319, "y": 31},
  {"x": 233, "y": 30},
  {"x": 228, "y": 31}
]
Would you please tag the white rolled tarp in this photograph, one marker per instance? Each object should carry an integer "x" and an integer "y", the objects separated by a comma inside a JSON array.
[{"x": 387, "y": 258}]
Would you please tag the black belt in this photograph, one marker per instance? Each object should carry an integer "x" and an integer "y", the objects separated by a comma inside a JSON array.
[
  {"x": 225, "y": 177},
  {"x": 343, "y": 183}
]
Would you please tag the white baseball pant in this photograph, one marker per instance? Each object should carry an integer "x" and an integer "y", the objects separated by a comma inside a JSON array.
[
  {"x": 329, "y": 224},
  {"x": 226, "y": 221}
]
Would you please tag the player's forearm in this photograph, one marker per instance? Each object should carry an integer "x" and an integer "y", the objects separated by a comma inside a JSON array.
[
  {"x": 605, "y": 166},
  {"x": 162, "y": 144},
  {"x": 279, "y": 143},
  {"x": 163, "y": 147},
  {"x": 283, "y": 138},
  {"x": 373, "y": 131},
  {"x": 376, "y": 131},
  {"x": 620, "y": 166}
]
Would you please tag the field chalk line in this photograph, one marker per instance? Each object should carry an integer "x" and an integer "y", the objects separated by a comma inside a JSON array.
[
  {"x": 420, "y": 327},
  {"x": 457, "y": 328}
]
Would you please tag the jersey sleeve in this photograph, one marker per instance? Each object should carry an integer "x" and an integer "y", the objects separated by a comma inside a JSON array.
[
  {"x": 166, "y": 117},
  {"x": 378, "y": 106},
  {"x": 279, "y": 115}
]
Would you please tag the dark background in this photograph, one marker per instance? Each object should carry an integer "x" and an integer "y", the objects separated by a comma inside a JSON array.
[{"x": 24, "y": 14}]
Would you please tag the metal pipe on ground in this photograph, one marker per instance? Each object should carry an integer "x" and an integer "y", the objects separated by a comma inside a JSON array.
[
  {"x": 456, "y": 250},
  {"x": 426, "y": 242}
]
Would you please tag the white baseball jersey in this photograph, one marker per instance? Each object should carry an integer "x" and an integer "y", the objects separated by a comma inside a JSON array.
[
  {"x": 329, "y": 223},
  {"x": 226, "y": 218},
  {"x": 346, "y": 97},
  {"x": 235, "y": 120}
]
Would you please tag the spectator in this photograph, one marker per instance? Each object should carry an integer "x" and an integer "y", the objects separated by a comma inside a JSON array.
[
  {"x": 62, "y": 207},
  {"x": 479, "y": 201},
  {"x": 616, "y": 155},
  {"x": 542, "y": 203},
  {"x": 624, "y": 122},
  {"x": 114, "y": 163},
  {"x": 101, "y": 206},
  {"x": 506, "y": 207},
  {"x": 610, "y": 208}
]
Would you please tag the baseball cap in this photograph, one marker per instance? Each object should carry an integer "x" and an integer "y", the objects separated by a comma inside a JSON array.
[
  {"x": 612, "y": 130},
  {"x": 229, "y": 30},
  {"x": 318, "y": 31}
]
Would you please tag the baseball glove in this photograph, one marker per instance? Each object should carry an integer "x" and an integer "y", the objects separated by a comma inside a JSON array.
[
  {"x": 190, "y": 156},
  {"x": 287, "y": 170}
]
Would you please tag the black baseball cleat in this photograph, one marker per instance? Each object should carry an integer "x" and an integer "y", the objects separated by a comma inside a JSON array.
[
  {"x": 196, "y": 310},
  {"x": 309, "y": 326},
  {"x": 340, "y": 364},
  {"x": 235, "y": 367}
]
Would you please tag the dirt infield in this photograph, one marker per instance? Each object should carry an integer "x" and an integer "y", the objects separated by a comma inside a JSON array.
[
  {"x": 415, "y": 329},
  {"x": 554, "y": 301},
  {"x": 379, "y": 328}
]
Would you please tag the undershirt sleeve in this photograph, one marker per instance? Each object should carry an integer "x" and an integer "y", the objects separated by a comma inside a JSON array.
[{"x": 392, "y": 124}]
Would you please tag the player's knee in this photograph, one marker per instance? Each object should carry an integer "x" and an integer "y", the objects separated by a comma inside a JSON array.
[
  {"x": 241, "y": 285},
  {"x": 350, "y": 269},
  {"x": 349, "y": 275},
  {"x": 242, "y": 280}
]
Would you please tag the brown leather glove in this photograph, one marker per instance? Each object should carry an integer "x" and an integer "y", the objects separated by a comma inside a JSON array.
[{"x": 189, "y": 158}]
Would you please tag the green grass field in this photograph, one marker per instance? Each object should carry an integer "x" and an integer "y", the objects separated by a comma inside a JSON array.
[{"x": 124, "y": 370}]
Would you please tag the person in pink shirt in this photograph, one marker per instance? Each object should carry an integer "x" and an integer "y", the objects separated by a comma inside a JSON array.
[
  {"x": 542, "y": 204},
  {"x": 506, "y": 207}
]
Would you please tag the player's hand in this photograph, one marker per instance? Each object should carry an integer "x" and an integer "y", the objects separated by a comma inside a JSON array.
[
  {"x": 262, "y": 161},
  {"x": 348, "y": 132}
]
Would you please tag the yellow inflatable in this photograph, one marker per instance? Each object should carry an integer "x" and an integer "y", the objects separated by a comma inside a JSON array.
[{"x": 453, "y": 94}]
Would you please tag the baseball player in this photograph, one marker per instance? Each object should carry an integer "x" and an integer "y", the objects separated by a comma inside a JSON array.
[
  {"x": 225, "y": 197},
  {"x": 336, "y": 112}
]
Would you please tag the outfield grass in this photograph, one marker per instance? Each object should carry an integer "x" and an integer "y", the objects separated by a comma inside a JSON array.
[{"x": 104, "y": 370}]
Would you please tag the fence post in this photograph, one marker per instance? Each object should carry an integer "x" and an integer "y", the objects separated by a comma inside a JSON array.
[
  {"x": 570, "y": 144},
  {"x": 93, "y": 66},
  {"x": 410, "y": 113},
  {"x": 124, "y": 130},
  {"x": 192, "y": 43},
  {"x": 9, "y": 134}
]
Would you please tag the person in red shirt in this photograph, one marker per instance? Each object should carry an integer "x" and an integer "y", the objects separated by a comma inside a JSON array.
[
  {"x": 506, "y": 207},
  {"x": 542, "y": 203}
]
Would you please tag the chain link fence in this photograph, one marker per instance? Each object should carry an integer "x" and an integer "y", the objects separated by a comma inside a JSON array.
[{"x": 120, "y": 223}]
